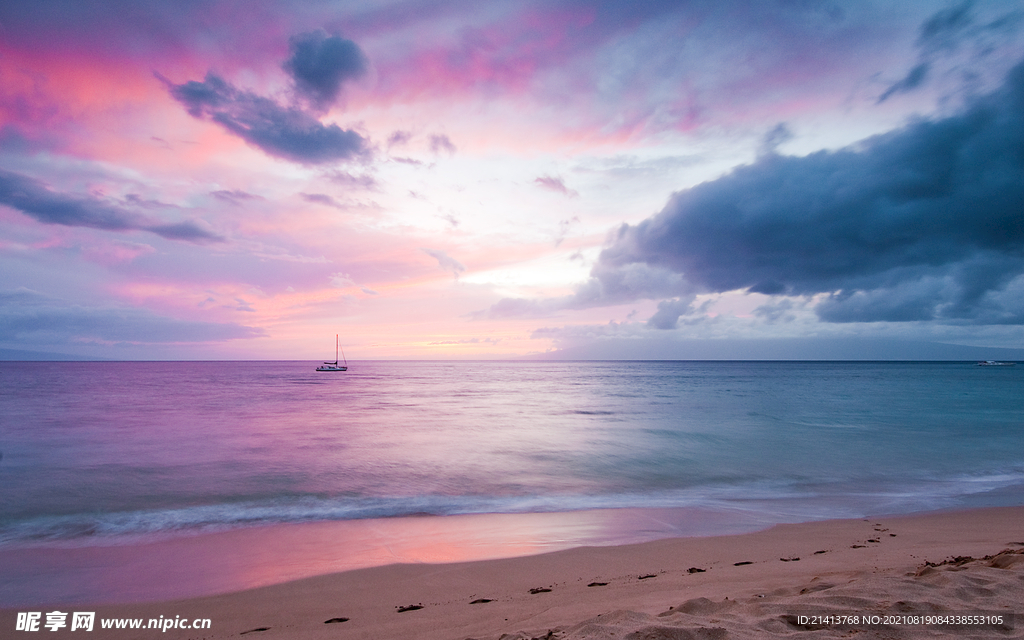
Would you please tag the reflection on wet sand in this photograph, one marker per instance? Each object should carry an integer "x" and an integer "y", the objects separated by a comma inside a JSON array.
[{"x": 234, "y": 560}]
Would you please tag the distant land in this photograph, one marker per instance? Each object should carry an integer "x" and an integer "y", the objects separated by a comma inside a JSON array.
[
  {"x": 780, "y": 349},
  {"x": 42, "y": 356}
]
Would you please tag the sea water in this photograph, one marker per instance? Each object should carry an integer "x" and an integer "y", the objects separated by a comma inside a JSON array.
[{"x": 107, "y": 453}]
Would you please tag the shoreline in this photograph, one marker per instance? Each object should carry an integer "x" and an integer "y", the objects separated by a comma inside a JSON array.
[
  {"x": 872, "y": 563},
  {"x": 135, "y": 570}
]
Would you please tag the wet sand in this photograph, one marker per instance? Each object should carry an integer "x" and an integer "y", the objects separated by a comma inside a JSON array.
[{"x": 754, "y": 585}]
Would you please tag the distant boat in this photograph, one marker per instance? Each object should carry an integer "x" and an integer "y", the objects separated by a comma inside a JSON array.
[
  {"x": 994, "y": 363},
  {"x": 334, "y": 366}
]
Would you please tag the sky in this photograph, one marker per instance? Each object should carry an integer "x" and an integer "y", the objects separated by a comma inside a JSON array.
[{"x": 446, "y": 180}]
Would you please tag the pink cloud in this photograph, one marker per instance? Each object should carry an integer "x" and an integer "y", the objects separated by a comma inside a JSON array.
[
  {"x": 115, "y": 252},
  {"x": 502, "y": 57}
]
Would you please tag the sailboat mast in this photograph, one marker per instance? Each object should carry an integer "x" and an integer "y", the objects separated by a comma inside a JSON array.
[{"x": 335, "y": 366}]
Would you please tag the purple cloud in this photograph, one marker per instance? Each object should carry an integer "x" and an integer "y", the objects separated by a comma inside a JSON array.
[
  {"x": 283, "y": 132},
  {"x": 442, "y": 144},
  {"x": 36, "y": 200},
  {"x": 234, "y": 196},
  {"x": 364, "y": 181},
  {"x": 399, "y": 138},
  {"x": 555, "y": 184},
  {"x": 320, "y": 64},
  {"x": 28, "y": 318},
  {"x": 321, "y": 198}
]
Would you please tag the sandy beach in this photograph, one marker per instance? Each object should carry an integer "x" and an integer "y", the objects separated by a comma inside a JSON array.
[{"x": 742, "y": 586}]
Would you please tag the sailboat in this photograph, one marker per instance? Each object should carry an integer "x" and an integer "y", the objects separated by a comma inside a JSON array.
[{"x": 334, "y": 366}]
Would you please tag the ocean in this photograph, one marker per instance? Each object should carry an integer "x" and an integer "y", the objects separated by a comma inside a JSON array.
[{"x": 123, "y": 454}]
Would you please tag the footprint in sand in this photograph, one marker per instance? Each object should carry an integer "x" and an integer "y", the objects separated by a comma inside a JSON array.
[
  {"x": 481, "y": 601},
  {"x": 740, "y": 564},
  {"x": 255, "y": 630},
  {"x": 793, "y": 559},
  {"x": 598, "y": 584},
  {"x": 410, "y": 607},
  {"x": 695, "y": 570},
  {"x": 649, "y": 575},
  {"x": 334, "y": 620},
  {"x": 816, "y": 586},
  {"x": 540, "y": 590}
]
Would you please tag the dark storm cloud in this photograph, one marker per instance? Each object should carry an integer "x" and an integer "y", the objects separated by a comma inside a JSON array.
[
  {"x": 620, "y": 284},
  {"x": 320, "y": 64},
  {"x": 948, "y": 33},
  {"x": 35, "y": 200},
  {"x": 776, "y": 311},
  {"x": 943, "y": 32},
  {"x": 667, "y": 315},
  {"x": 914, "y": 79},
  {"x": 283, "y": 132},
  {"x": 27, "y": 318},
  {"x": 779, "y": 135},
  {"x": 946, "y": 28},
  {"x": 923, "y": 223}
]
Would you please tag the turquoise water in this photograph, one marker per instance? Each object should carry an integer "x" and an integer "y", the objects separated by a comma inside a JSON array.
[{"x": 100, "y": 452}]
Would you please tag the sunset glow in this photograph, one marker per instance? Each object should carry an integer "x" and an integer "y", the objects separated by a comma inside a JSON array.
[{"x": 215, "y": 180}]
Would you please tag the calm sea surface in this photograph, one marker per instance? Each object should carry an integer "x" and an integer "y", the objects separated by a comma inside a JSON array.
[{"x": 99, "y": 452}]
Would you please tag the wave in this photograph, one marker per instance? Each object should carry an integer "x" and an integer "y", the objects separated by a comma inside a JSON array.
[{"x": 770, "y": 501}]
